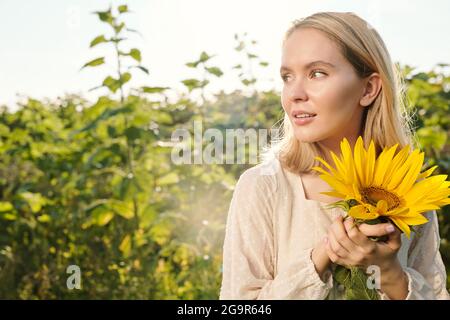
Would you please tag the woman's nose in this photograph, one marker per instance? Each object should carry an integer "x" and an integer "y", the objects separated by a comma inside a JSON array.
[{"x": 297, "y": 91}]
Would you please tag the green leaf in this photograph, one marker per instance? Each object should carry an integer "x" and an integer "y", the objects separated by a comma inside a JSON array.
[
  {"x": 111, "y": 83},
  {"x": 104, "y": 218},
  {"x": 162, "y": 117},
  {"x": 117, "y": 40},
  {"x": 161, "y": 232},
  {"x": 97, "y": 40},
  {"x": 154, "y": 89},
  {"x": 44, "y": 218},
  {"x": 215, "y": 71},
  {"x": 192, "y": 64},
  {"x": 148, "y": 216},
  {"x": 263, "y": 63},
  {"x": 133, "y": 133},
  {"x": 192, "y": 84},
  {"x": 119, "y": 27},
  {"x": 125, "y": 78},
  {"x": 432, "y": 137},
  {"x": 134, "y": 31},
  {"x": 204, "y": 57},
  {"x": 8, "y": 216},
  {"x": 169, "y": 178},
  {"x": 100, "y": 216},
  {"x": 122, "y": 208},
  {"x": 123, "y": 8},
  {"x": 105, "y": 16},
  {"x": 35, "y": 200},
  {"x": 129, "y": 188},
  {"x": 248, "y": 82},
  {"x": 6, "y": 206},
  {"x": 106, "y": 114},
  {"x": 354, "y": 281},
  {"x": 143, "y": 69},
  {"x": 135, "y": 54},
  {"x": 94, "y": 63},
  {"x": 125, "y": 245}
]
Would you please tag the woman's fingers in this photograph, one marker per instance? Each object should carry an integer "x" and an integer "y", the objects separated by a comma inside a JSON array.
[
  {"x": 336, "y": 246},
  {"x": 330, "y": 252},
  {"x": 394, "y": 241},
  {"x": 357, "y": 237},
  {"x": 365, "y": 247},
  {"x": 393, "y": 234},
  {"x": 340, "y": 235},
  {"x": 376, "y": 230}
]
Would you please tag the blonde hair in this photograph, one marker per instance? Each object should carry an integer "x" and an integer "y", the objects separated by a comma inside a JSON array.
[{"x": 386, "y": 120}]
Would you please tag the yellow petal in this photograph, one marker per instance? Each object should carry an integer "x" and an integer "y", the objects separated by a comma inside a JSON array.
[
  {"x": 339, "y": 165},
  {"x": 336, "y": 184},
  {"x": 411, "y": 175},
  {"x": 370, "y": 163},
  {"x": 423, "y": 188},
  {"x": 334, "y": 194},
  {"x": 321, "y": 170},
  {"x": 383, "y": 163},
  {"x": 398, "y": 212},
  {"x": 347, "y": 157},
  {"x": 360, "y": 212},
  {"x": 427, "y": 173},
  {"x": 425, "y": 207},
  {"x": 359, "y": 161},
  {"x": 416, "y": 220},
  {"x": 332, "y": 170},
  {"x": 399, "y": 175},
  {"x": 398, "y": 160},
  {"x": 356, "y": 193},
  {"x": 402, "y": 226},
  {"x": 382, "y": 206}
]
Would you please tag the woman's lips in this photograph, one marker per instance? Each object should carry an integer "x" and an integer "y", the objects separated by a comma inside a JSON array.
[{"x": 304, "y": 121}]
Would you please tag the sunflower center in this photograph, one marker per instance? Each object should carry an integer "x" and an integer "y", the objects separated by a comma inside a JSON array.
[{"x": 374, "y": 194}]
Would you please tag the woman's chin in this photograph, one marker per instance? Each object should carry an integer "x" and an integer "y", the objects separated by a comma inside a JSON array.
[{"x": 306, "y": 138}]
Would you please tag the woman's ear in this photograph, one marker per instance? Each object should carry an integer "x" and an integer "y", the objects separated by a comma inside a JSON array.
[{"x": 371, "y": 89}]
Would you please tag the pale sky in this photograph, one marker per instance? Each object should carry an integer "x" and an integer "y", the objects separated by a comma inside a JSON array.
[{"x": 44, "y": 43}]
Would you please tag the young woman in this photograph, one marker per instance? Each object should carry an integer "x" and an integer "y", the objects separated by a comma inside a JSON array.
[{"x": 281, "y": 242}]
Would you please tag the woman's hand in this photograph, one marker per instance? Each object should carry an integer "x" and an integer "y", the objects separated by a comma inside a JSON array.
[{"x": 349, "y": 245}]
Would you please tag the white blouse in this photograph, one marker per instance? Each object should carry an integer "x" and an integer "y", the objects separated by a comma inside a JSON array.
[{"x": 272, "y": 229}]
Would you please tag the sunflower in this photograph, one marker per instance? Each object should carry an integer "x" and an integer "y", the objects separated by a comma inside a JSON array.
[{"x": 390, "y": 185}]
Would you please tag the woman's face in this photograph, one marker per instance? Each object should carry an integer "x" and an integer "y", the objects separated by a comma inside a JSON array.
[{"x": 319, "y": 81}]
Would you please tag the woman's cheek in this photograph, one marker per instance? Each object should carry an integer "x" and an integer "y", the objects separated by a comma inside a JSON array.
[{"x": 284, "y": 103}]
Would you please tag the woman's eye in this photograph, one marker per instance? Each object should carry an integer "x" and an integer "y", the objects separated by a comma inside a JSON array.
[
  {"x": 284, "y": 77},
  {"x": 317, "y": 74}
]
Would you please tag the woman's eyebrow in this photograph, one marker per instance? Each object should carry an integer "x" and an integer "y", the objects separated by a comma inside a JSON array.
[{"x": 310, "y": 64}]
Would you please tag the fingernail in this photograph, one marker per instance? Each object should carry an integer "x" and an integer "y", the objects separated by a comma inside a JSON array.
[
  {"x": 325, "y": 239},
  {"x": 390, "y": 228}
]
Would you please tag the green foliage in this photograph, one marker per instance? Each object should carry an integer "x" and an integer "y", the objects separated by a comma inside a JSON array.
[
  {"x": 428, "y": 93},
  {"x": 93, "y": 184},
  {"x": 354, "y": 282}
]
